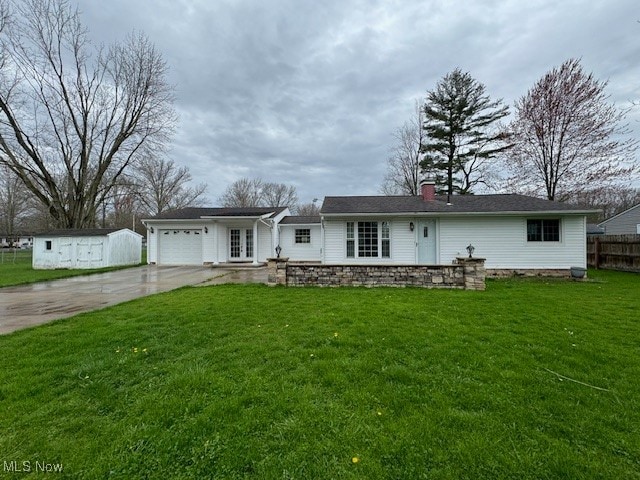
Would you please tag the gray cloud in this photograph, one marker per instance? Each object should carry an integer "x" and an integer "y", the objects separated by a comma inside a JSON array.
[{"x": 309, "y": 93}]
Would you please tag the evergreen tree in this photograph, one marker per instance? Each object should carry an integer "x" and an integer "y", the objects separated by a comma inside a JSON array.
[{"x": 461, "y": 132}]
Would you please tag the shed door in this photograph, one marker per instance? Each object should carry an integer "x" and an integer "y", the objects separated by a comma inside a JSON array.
[
  {"x": 180, "y": 247},
  {"x": 65, "y": 252},
  {"x": 89, "y": 252},
  {"x": 427, "y": 242}
]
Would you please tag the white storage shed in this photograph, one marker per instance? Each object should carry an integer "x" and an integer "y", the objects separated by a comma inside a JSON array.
[{"x": 87, "y": 248}]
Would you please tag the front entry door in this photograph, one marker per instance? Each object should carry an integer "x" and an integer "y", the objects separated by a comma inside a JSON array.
[
  {"x": 427, "y": 242},
  {"x": 240, "y": 244}
]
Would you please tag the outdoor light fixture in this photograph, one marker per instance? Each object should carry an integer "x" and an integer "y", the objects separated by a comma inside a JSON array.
[
  {"x": 278, "y": 250},
  {"x": 411, "y": 226},
  {"x": 151, "y": 229},
  {"x": 470, "y": 249},
  {"x": 206, "y": 230}
]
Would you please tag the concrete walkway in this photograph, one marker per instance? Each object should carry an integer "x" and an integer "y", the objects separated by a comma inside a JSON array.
[{"x": 28, "y": 305}]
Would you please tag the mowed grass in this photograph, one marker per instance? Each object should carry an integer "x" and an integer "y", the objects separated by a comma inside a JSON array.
[
  {"x": 15, "y": 269},
  {"x": 530, "y": 379}
]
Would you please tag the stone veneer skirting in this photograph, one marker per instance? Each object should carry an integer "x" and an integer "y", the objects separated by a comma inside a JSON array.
[
  {"x": 528, "y": 272},
  {"x": 466, "y": 273}
]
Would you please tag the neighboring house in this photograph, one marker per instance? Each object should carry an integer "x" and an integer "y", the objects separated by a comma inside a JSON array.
[
  {"x": 594, "y": 229},
  {"x": 202, "y": 236},
  {"x": 22, "y": 240},
  {"x": 513, "y": 232},
  {"x": 86, "y": 248},
  {"x": 624, "y": 223}
]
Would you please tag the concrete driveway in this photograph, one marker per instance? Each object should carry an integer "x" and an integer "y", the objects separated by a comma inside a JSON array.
[{"x": 29, "y": 305}]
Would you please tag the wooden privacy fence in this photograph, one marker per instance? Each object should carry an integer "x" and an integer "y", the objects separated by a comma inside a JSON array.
[{"x": 614, "y": 252}]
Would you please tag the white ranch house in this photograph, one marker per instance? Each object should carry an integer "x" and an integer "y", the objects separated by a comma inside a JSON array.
[
  {"x": 86, "y": 248},
  {"x": 211, "y": 236},
  {"x": 512, "y": 232}
]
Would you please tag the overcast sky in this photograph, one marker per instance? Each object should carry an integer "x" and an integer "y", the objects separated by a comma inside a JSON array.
[{"x": 309, "y": 93}]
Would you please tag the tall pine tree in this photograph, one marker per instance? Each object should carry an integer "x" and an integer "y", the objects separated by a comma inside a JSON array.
[{"x": 461, "y": 132}]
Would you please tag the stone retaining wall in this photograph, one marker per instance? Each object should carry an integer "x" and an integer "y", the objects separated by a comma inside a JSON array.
[
  {"x": 528, "y": 272},
  {"x": 466, "y": 273}
]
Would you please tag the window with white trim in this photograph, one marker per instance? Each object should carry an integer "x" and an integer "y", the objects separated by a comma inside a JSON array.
[
  {"x": 373, "y": 239},
  {"x": 386, "y": 240},
  {"x": 351, "y": 241},
  {"x": 543, "y": 230},
  {"x": 303, "y": 235}
]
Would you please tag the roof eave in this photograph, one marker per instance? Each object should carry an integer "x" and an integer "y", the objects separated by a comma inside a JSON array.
[{"x": 441, "y": 213}]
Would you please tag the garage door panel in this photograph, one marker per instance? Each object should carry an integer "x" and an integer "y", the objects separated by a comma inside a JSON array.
[{"x": 180, "y": 247}]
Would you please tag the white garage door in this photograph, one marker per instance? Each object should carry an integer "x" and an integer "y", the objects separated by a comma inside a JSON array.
[{"x": 180, "y": 247}]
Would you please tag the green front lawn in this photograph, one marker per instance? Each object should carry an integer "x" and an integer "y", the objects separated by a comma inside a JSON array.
[
  {"x": 530, "y": 379},
  {"x": 15, "y": 269}
]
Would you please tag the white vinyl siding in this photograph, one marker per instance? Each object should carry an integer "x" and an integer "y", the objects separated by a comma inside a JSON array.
[
  {"x": 265, "y": 247},
  {"x": 402, "y": 241},
  {"x": 300, "y": 251},
  {"x": 503, "y": 242},
  {"x": 214, "y": 247},
  {"x": 302, "y": 236},
  {"x": 152, "y": 246}
]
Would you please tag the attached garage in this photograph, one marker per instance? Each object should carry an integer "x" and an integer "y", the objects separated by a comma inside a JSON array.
[
  {"x": 180, "y": 246},
  {"x": 211, "y": 236},
  {"x": 86, "y": 248}
]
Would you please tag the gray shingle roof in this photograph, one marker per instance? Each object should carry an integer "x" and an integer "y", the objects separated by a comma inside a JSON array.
[
  {"x": 78, "y": 232},
  {"x": 192, "y": 213},
  {"x": 299, "y": 220},
  {"x": 459, "y": 204}
]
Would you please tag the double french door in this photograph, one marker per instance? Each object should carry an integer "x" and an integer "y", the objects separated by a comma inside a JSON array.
[{"x": 241, "y": 244}]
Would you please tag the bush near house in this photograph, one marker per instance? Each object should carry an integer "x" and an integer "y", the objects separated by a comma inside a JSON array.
[{"x": 529, "y": 379}]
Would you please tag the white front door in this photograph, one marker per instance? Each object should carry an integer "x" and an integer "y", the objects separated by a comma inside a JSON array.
[
  {"x": 427, "y": 242},
  {"x": 240, "y": 244}
]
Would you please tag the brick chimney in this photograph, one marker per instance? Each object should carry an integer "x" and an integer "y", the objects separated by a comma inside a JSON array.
[{"x": 428, "y": 189}]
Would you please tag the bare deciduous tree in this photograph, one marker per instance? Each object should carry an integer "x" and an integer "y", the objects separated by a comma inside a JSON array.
[
  {"x": 254, "y": 192},
  {"x": 568, "y": 136},
  {"x": 15, "y": 201},
  {"x": 246, "y": 192},
  {"x": 161, "y": 185},
  {"x": 279, "y": 195},
  {"x": 73, "y": 118},
  {"x": 311, "y": 209},
  {"x": 403, "y": 166},
  {"x": 611, "y": 200}
]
